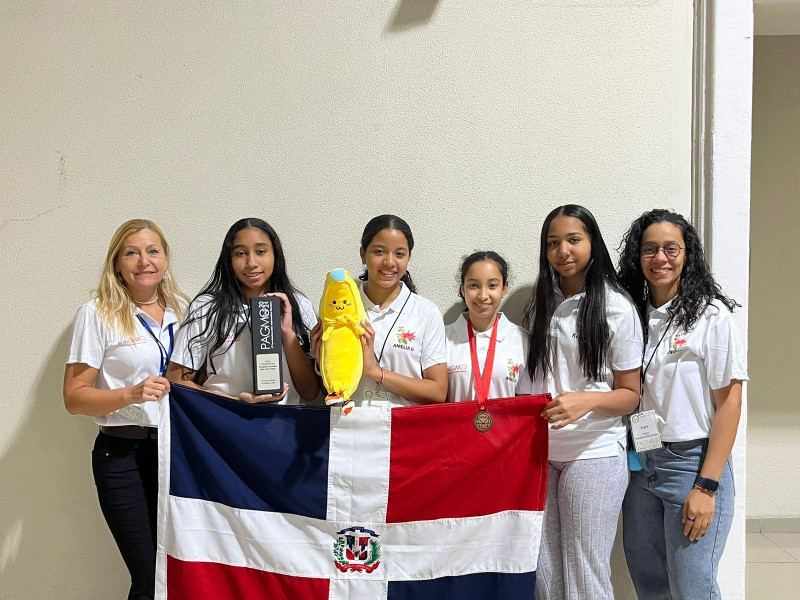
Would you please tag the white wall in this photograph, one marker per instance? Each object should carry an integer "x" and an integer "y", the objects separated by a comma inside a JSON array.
[
  {"x": 471, "y": 119},
  {"x": 774, "y": 418}
]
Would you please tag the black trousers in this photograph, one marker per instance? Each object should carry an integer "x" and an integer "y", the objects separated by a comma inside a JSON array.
[{"x": 126, "y": 476}]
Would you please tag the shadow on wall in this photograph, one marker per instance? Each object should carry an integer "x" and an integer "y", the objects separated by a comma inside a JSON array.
[
  {"x": 409, "y": 14},
  {"x": 50, "y": 520}
]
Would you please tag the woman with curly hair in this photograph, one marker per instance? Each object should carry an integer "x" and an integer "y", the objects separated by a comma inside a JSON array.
[{"x": 678, "y": 508}]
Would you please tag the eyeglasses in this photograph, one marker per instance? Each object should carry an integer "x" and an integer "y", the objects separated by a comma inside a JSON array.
[{"x": 670, "y": 250}]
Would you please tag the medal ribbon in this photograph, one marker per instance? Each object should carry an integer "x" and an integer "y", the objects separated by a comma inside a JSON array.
[{"x": 482, "y": 380}]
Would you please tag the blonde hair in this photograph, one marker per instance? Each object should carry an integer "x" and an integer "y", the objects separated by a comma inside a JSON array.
[{"x": 114, "y": 302}]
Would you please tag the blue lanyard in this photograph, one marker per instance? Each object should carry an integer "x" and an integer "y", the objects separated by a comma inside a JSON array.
[{"x": 163, "y": 353}]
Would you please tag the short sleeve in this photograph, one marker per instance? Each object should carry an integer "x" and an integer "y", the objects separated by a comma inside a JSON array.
[
  {"x": 434, "y": 343},
  {"x": 87, "y": 345},
  {"x": 309, "y": 317},
  {"x": 189, "y": 350},
  {"x": 626, "y": 339},
  {"x": 724, "y": 355},
  {"x": 307, "y": 312}
]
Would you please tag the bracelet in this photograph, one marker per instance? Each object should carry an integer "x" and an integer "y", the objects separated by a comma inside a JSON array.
[
  {"x": 697, "y": 486},
  {"x": 383, "y": 374}
]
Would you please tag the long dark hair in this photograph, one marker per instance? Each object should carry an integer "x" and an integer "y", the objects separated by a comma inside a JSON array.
[
  {"x": 697, "y": 287},
  {"x": 470, "y": 260},
  {"x": 378, "y": 224},
  {"x": 592, "y": 327},
  {"x": 221, "y": 314}
]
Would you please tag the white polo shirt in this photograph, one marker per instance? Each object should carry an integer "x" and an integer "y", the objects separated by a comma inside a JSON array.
[
  {"x": 412, "y": 341},
  {"x": 686, "y": 366},
  {"x": 233, "y": 361},
  {"x": 593, "y": 435},
  {"x": 120, "y": 361},
  {"x": 511, "y": 355}
]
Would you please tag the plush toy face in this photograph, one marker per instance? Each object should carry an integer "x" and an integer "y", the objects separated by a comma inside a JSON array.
[{"x": 340, "y": 300}]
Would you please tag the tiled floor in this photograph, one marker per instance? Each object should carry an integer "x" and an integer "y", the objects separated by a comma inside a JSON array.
[{"x": 773, "y": 560}]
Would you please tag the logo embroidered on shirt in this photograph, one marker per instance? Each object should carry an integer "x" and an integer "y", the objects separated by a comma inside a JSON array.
[
  {"x": 405, "y": 337},
  {"x": 132, "y": 341},
  {"x": 513, "y": 370},
  {"x": 678, "y": 344},
  {"x": 462, "y": 368}
]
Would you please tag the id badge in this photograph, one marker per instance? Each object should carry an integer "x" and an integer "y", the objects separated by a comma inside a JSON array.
[
  {"x": 645, "y": 431},
  {"x": 133, "y": 412}
]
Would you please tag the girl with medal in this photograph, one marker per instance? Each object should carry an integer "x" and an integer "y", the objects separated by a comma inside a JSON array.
[
  {"x": 586, "y": 351},
  {"x": 678, "y": 508},
  {"x": 482, "y": 342},
  {"x": 213, "y": 350},
  {"x": 120, "y": 347},
  {"x": 404, "y": 347}
]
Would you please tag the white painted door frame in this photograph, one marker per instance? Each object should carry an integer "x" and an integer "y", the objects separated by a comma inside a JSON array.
[{"x": 722, "y": 118}]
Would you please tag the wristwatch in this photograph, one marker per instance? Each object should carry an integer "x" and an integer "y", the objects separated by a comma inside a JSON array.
[{"x": 707, "y": 485}]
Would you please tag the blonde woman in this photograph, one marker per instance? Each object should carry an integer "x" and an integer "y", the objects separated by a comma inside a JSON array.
[{"x": 120, "y": 349}]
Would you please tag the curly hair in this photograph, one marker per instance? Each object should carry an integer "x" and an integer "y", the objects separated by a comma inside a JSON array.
[{"x": 697, "y": 287}]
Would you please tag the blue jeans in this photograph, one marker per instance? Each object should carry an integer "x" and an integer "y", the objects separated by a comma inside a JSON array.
[{"x": 663, "y": 563}]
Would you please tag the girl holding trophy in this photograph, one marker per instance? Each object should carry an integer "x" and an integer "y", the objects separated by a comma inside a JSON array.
[{"x": 213, "y": 350}]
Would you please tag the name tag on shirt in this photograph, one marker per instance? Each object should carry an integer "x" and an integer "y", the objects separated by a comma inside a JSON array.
[
  {"x": 645, "y": 431},
  {"x": 134, "y": 412}
]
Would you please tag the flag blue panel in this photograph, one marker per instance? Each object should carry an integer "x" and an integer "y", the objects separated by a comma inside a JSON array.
[
  {"x": 478, "y": 586},
  {"x": 214, "y": 440}
]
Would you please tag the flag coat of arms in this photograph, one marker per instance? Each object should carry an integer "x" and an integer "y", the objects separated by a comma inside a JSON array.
[{"x": 305, "y": 503}]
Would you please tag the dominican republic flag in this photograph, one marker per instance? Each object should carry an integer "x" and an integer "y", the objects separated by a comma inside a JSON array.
[{"x": 264, "y": 502}]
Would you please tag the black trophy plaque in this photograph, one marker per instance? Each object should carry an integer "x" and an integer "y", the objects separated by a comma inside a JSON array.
[{"x": 265, "y": 321}]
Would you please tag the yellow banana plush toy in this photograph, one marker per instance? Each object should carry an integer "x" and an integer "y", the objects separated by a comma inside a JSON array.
[{"x": 341, "y": 356}]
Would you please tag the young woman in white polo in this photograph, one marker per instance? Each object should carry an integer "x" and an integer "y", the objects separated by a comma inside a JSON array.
[
  {"x": 405, "y": 356},
  {"x": 482, "y": 335},
  {"x": 586, "y": 351},
  {"x": 213, "y": 350},
  {"x": 679, "y": 505},
  {"x": 120, "y": 347}
]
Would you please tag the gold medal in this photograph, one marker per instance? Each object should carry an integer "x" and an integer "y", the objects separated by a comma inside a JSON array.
[{"x": 483, "y": 421}]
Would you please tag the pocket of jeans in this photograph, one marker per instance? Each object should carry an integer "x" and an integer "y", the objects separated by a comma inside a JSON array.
[{"x": 688, "y": 451}]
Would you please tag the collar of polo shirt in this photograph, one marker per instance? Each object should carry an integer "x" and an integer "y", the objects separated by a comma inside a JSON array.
[
  {"x": 463, "y": 336},
  {"x": 396, "y": 304}
]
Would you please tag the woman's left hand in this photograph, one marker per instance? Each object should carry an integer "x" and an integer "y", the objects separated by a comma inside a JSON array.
[
  {"x": 371, "y": 367},
  {"x": 698, "y": 510},
  {"x": 286, "y": 312},
  {"x": 566, "y": 408},
  {"x": 264, "y": 398}
]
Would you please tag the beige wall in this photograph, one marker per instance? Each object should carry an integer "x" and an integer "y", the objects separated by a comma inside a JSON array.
[
  {"x": 773, "y": 461},
  {"x": 471, "y": 119}
]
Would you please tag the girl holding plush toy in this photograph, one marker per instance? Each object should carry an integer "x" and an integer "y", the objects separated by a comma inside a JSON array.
[{"x": 403, "y": 343}]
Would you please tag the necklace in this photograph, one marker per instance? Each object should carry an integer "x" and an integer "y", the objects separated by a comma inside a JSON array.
[{"x": 149, "y": 302}]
